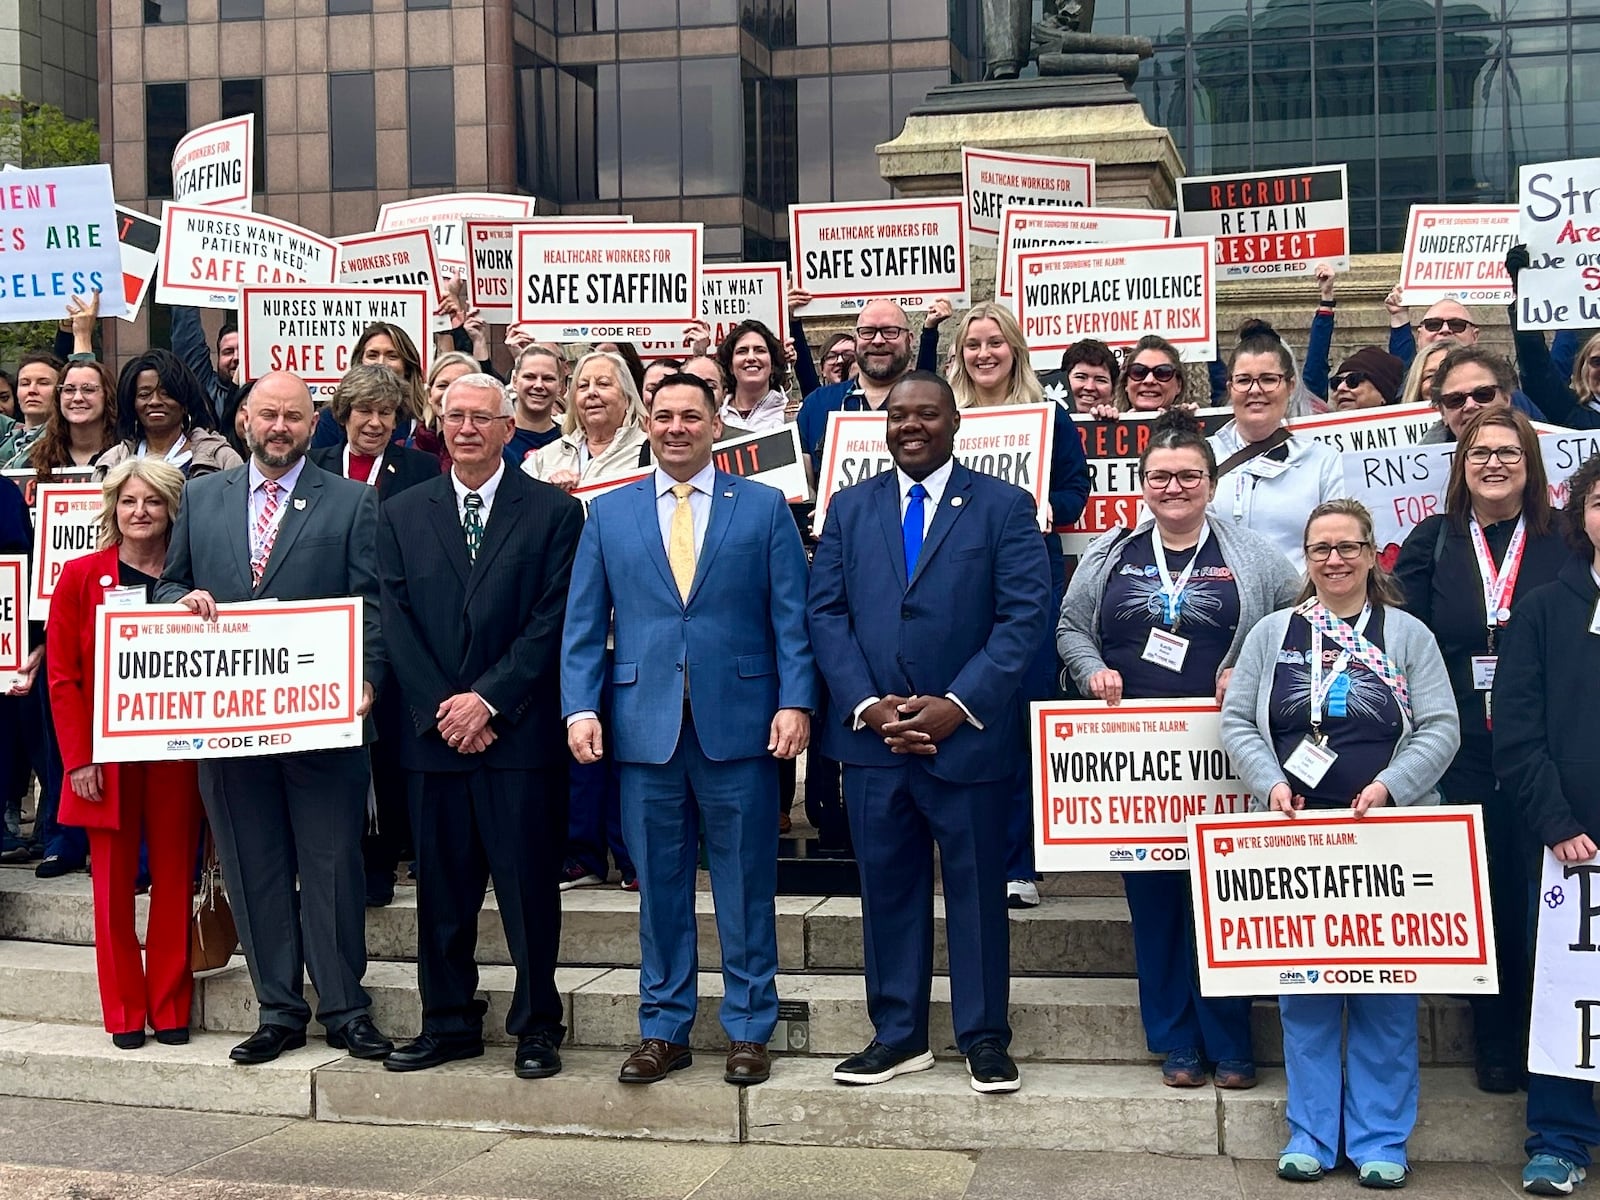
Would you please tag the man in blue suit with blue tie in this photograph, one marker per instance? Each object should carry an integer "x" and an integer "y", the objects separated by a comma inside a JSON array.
[
  {"x": 930, "y": 591},
  {"x": 702, "y": 576}
]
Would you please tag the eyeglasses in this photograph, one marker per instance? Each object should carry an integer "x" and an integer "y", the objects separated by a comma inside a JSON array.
[
  {"x": 889, "y": 333},
  {"x": 150, "y": 393},
  {"x": 87, "y": 391},
  {"x": 455, "y": 420},
  {"x": 1479, "y": 456},
  {"x": 1165, "y": 373},
  {"x": 1453, "y": 324},
  {"x": 1350, "y": 379},
  {"x": 1481, "y": 396},
  {"x": 1322, "y": 551},
  {"x": 1594, "y": 362},
  {"x": 840, "y": 355},
  {"x": 1266, "y": 382},
  {"x": 1162, "y": 480}
]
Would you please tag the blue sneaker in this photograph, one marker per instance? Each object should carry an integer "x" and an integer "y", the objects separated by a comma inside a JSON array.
[
  {"x": 1550, "y": 1175},
  {"x": 1299, "y": 1168},
  {"x": 1381, "y": 1174},
  {"x": 1183, "y": 1069}
]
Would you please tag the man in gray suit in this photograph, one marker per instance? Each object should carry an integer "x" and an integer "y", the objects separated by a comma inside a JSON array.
[{"x": 282, "y": 528}]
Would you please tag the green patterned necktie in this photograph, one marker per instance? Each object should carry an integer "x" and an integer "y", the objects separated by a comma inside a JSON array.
[{"x": 473, "y": 524}]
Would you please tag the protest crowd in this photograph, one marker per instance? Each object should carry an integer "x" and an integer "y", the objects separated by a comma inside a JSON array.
[{"x": 591, "y": 613}]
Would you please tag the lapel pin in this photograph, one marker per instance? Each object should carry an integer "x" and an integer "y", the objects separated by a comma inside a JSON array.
[
  {"x": 299, "y": 504},
  {"x": 105, "y": 581},
  {"x": 955, "y": 501},
  {"x": 727, "y": 495}
]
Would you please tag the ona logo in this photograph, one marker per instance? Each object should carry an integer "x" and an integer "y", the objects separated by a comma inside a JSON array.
[
  {"x": 1122, "y": 856},
  {"x": 1291, "y": 977},
  {"x": 1313, "y": 975}
]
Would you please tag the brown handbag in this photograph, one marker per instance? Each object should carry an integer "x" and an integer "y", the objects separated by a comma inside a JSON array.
[{"x": 212, "y": 934}]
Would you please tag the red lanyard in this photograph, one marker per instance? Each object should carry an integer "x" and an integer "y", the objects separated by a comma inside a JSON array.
[{"x": 1498, "y": 585}]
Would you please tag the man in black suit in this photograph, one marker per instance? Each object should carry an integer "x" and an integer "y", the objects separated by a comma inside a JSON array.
[
  {"x": 474, "y": 569},
  {"x": 281, "y": 528}
]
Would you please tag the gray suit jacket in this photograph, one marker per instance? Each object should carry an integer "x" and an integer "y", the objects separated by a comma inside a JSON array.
[{"x": 327, "y": 546}]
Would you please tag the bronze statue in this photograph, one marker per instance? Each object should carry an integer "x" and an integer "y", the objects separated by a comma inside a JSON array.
[{"x": 1012, "y": 39}]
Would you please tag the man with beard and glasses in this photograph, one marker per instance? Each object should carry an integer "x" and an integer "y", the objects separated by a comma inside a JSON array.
[{"x": 282, "y": 528}]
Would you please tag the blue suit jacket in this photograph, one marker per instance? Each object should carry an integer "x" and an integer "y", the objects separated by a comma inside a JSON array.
[
  {"x": 741, "y": 635},
  {"x": 968, "y": 623}
]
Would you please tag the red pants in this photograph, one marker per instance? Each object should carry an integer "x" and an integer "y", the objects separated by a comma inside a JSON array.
[{"x": 161, "y": 801}]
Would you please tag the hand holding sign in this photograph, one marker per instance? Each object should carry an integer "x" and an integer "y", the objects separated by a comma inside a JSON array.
[{"x": 1575, "y": 849}]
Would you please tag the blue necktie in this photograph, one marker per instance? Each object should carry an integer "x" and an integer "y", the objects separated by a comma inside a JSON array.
[{"x": 911, "y": 528}]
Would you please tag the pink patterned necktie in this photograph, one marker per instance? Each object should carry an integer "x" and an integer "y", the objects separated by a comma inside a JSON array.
[{"x": 266, "y": 531}]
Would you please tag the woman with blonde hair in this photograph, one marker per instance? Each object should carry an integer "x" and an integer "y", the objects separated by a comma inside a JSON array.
[
  {"x": 1418, "y": 385},
  {"x": 603, "y": 428}
]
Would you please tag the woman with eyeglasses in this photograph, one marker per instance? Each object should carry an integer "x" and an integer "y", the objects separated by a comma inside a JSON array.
[
  {"x": 1152, "y": 380},
  {"x": 1467, "y": 381},
  {"x": 161, "y": 411},
  {"x": 1158, "y": 612},
  {"x": 1266, "y": 476},
  {"x": 82, "y": 424},
  {"x": 1463, "y": 572},
  {"x": 1343, "y": 702},
  {"x": 1369, "y": 378}
]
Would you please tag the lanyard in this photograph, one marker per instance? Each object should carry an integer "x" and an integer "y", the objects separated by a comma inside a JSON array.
[
  {"x": 1498, "y": 584},
  {"x": 372, "y": 475},
  {"x": 1172, "y": 589},
  {"x": 1320, "y": 690},
  {"x": 178, "y": 454}
]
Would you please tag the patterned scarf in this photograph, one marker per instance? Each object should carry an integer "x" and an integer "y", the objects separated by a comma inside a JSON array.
[{"x": 1359, "y": 648}]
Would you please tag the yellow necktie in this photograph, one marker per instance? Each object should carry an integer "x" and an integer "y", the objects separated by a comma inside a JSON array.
[{"x": 680, "y": 540}]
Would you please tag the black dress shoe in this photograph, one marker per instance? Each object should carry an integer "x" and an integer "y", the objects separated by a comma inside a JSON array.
[
  {"x": 538, "y": 1055},
  {"x": 434, "y": 1050},
  {"x": 53, "y": 866},
  {"x": 173, "y": 1037},
  {"x": 128, "y": 1041},
  {"x": 266, "y": 1043},
  {"x": 361, "y": 1038}
]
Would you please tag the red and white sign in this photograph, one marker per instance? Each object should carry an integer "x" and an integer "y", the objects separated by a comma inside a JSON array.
[
  {"x": 992, "y": 179},
  {"x": 261, "y": 679},
  {"x": 910, "y": 251},
  {"x": 443, "y": 215},
  {"x": 490, "y": 249},
  {"x": 27, "y": 479},
  {"x": 771, "y": 456},
  {"x": 139, "y": 237},
  {"x": 1114, "y": 787},
  {"x": 66, "y": 525},
  {"x": 601, "y": 283},
  {"x": 404, "y": 258},
  {"x": 731, "y": 293},
  {"x": 214, "y": 166},
  {"x": 1369, "y": 428},
  {"x": 1270, "y": 223},
  {"x": 311, "y": 331},
  {"x": 208, "y": 256},
  {"x": 1023, "y": 229},
  {"x": 13, "y": 615},
  {"x": 1396, "y": 901},
  {"x": 599, "y": 487},
  {"x": 1458, "y": 252},
  {"x": 1118, "y": 294}
]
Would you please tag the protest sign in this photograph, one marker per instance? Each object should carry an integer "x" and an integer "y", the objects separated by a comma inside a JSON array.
[
  {"x": 1458, "y": 252},
  {"x": 490, "y": 269},
  {"x": 208, "y": 256},
  {"x": 772, "y": 457},
  {"x": 273, "y": 678},
  {"x": 27, "y": 479},
  {"x": 443, "y": 215},
  {"x": 599, "y": 487},
  {"x": 1395, "y": 901},
  {"x": 1024, "y": 228},
  {"x": 1113, "y": 788},
  {"x": 60, "y": 241},
  {"x": 311, "y": 331},
  {"x": 1565, "y": 1036},
  {"x": 214, "y": 166},
  {"x": 1368, "y": 428},
  {"x": 910, "y": 251},
  {"x": 66, "y": 525},
  {"x": 1011, "y": 442},
  {"x": 594, "y": 283},
  {"x": 731, "y": 293},
  {"x": 1118, "y": 294},
  {"x": 404, "y": 258},
  {"x": 992, "y": 179},
  {"x": 1277, "y": 223},
  {"x": 138, "y": 240},
  {"x": 1558, "y": 221},
  {"x": 13, "y": 616}
]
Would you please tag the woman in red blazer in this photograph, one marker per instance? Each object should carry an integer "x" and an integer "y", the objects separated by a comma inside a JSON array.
[{"x": 117, "y": 802}]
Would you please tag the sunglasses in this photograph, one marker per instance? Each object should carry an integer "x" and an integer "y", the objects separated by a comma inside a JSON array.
[
  {"x": 1453, "y": 324},
  {"x": 1165, "y": 373},
  {"x": 1481, "y": 396},
  {"x": 1350, "y": 379}
]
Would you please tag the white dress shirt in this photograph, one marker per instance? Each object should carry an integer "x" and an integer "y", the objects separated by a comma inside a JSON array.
[
  {"x": 699, "y": 504},
  {"x": 485, "y": 493}
]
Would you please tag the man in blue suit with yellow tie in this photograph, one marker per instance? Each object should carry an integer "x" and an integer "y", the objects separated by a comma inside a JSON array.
[
  {"x": 930, "y": 592},
  {"x": 713, "y": 681}
]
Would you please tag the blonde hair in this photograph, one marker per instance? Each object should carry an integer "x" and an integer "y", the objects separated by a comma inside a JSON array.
[
  {"x": 1411, "y": 389},
  {"x": 428, "y": 418},
  {"x": 1580, "y": 374},
  {"x": 164, "y": 479},
  {"x": 1023, "y": 387},
  {"x": 1381, "y": 587},
  {"x": 570, "y": 422}
]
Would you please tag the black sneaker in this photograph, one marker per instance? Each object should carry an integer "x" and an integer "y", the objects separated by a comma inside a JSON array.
[
  {"x": 879, "y": 1063},
  {"x": 991, "y": 1068}
]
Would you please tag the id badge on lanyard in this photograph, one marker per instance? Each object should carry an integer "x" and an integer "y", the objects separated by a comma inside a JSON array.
[
  {"x": 1164, "y": 647},
  {"x": 1313, "y": 756},
  {"x": 1498, "y": 586}
]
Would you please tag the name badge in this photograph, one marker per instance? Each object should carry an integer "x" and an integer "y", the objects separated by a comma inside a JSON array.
[
  {"x": 1166, "y": 650},
  {"x": 1483, "y": 671},
  {"x": 125, "y": 597},
  {"x": 1310, "y": 762}
]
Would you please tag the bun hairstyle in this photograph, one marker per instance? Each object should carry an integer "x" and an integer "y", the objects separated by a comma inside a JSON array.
[
  {"x": 1253, "y": 327},
  {"x": 1176, "y": 428},
  {"x": 1257, "y": 337}
]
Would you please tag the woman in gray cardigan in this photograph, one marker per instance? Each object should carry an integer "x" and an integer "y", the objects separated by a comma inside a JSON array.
[
  {"x": 1343, "y": 702},
  {"x": 1160, "y": 612}
]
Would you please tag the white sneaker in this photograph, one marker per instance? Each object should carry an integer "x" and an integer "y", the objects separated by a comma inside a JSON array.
[{"x": 1022, "y": 893}]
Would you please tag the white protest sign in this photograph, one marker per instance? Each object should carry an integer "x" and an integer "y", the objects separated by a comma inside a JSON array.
[
  {"x": 1368, "y": 428},
  {"x": 404, "y": 258},
  {"x": 27, "y": 479},
  {"x": 311, "y": 331},
  {"x": 59, "y": 241},
  {"x": 1270, "y": 223},
  {"x": 771, "y": 456},
  {"x": 1011, "y": 442},
  {"x": 1558, "y": 221},
  {"x": 1113, "y": 788},
  {"x": 139, "y": 240},
  {"x": 66, "y": 525},
  {"x": 1564, "y": 1039},
  {"x": 208, "y": 255},
  {"x": 595, "y": 283},
  {"x": 599, "y": 487},
  {"x": 731, "y": 293},
  {"x": 1023, "y": 229},
  {"x": 260, "y": 679},
  {"x": 214, "y": 166},
  {"x": 13, "y": 615},
  {"x": 1395, "y": 901},
  {"x": 1458, "y": 252},
  {"x": 491, "y": 246},
  {"x": 1118, "y": 294},
  {"x": 910, "y": 251},
  {"x": 443, "y": 216},
  {"x": 992, "y": 179}
]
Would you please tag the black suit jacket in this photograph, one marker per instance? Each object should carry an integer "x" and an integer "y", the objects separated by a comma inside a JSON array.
[
  {"x": 401, "y": 468},
  {"x": 492, "y": 626}
]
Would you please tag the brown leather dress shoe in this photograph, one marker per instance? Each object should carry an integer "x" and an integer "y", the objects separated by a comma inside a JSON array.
[
  {"x": 748, "y": 1062},
  {"x": 654, "y": 1060}
]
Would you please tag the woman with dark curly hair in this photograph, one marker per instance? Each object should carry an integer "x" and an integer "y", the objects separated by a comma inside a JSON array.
[{"x": 161, "y": 411}]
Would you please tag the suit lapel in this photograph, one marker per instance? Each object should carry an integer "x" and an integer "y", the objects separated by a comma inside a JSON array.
[
  {"x": 951, "y": 505},
  {"x": 887, "y": 504},
  {"x": 724, "y": 496},
  {"x": 302, "y": 502},
  {"x": 388, "y": 473},
  {"x": 503, "y": 517},
  {"x": 236, "y": 513},
  {"x": 648, "y": 523},
  {"x": 446, "y": 526}
]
